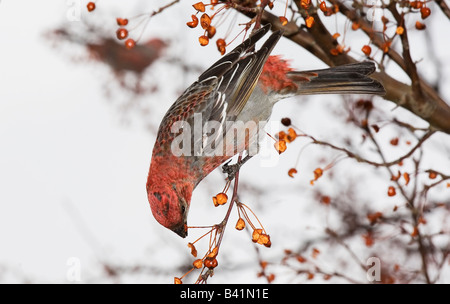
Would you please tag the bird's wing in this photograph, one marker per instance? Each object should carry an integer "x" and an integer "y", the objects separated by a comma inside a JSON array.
[{"x": 221, "y": 92}]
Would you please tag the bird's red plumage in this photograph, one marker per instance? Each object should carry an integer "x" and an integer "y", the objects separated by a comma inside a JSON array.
[{"x": 273, "y": 76}]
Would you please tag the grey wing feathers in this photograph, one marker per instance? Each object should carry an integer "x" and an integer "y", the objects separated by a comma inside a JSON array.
[
  {"x": 234, "y": 77},
  {"x": 221, "y": 92}
]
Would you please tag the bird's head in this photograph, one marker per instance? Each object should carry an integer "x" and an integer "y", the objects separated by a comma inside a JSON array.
[
  {"x": 170, "y": 207},
  {"x": 170, "y": 197}
]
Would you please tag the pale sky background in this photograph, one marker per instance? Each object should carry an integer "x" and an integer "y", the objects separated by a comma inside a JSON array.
[{"x": 73, "y": 165}]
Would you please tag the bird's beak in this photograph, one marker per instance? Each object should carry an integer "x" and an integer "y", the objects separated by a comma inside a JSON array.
[{"x": 181, "y": 230}]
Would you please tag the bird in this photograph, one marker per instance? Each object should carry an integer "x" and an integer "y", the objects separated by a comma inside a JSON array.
[{"x": 242, "y": 86}]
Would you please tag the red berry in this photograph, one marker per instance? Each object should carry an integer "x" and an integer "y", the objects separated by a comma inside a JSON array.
[
  {"x": 91, "y": 6},
  {"x": 210, "y": 263},
  {"x": 199, "y": 6},
  {"x": 204, "y": 40},
  {"x": 391, "y": 191},
  {"x": 420, "y": 26},
  {"x": 121, "y": 33},
  {"x": 211, "y": 30},
  {"x": 122, "y": 22},
  {"x": 205, "y": 21},
  {"x": 366, "y": 50},
  {"x": 193, "y": 23},
  {"x": 283, "y": 20},
  {"x": 425, "y": 12},
  {"x": 130, "y": 43}
]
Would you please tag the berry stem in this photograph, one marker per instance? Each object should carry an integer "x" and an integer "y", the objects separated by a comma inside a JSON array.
[{"x": 233, "y": 200}]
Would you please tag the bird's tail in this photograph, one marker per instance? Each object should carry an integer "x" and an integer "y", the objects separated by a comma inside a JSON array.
[{"x": 345, "y": 79}]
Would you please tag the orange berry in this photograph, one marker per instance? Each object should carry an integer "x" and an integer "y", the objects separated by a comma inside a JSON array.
[
  {"x": 177, "y": 281},
  {"x": 263, "y": 239},
  {"x": 323, "y": 6},
  {"x": 193, "y": 23},
  {"x": 193, "y": 250},
  {"x": 391, "y": 191},
  {"x": 406, "y": 177},
  {"x": 221, "y": 198},
  {"x": 432, "y": 175},
  {"x": 90, "y": 6},
  {"x": 211, "y": 31},
  {"x": 210, "y": 263},
  {"x": 366, "y": 50},
  {"x": 309, "y": 21},
  {"x": 282, "y": 135},
  {"x": 283, "y": 20},
  {"x": 205, "y": 21},
  {"x": 416, "y": 4},
  {"x": 301, "y": 259},
  {"x": 197, "y": 263},
  {"x": 292, "y": 135},
  {"x": 292, "y": 171},
  {"x": 318, "y": 173},
  {"x": 315, "y": 253},
  {"x": 204, "y": 40},
  {"x": 121, "y": 33},
  {"x": 425, "y": 12},
  {"x": 122, "y": 21},
  {"x": 394, "y": 141},
  {"x": 240, "y": 224},
  {"x": 255, "y": 235},
  {"x": 130, "y": 43},
  {"x": 221, "y": 44},
  {"x": 199, "y": 6},
  {"x": 355, "y": 26},
  {"x": 420, "y": 26},
  {"x": 222, "y": 50},
  {"x": 270, "y": 4},
  {"x": 400, "y": 30},
  {"x": 280, "y": 146},
  {"x": 326, "y": 200},
  {"x": 214, "y": 2},
  {"x": 213, "y": 253},
  {"x": 305, "y": 4},
  {"x": 334, "y": 52}
]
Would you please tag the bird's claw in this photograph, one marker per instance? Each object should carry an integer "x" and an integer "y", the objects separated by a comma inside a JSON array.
[{"x": 232, "y": 170}]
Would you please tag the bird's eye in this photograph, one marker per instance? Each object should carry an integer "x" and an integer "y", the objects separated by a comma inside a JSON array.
[
  {"x": 183, "y": 208},
  {"x": 158, "y": 196}
]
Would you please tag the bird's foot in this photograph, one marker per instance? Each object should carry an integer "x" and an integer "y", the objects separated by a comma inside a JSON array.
[{"x": 232, "y": 170}]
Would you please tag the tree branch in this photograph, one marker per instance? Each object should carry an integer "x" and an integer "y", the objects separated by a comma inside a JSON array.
[{"x": 318, "y": 41}]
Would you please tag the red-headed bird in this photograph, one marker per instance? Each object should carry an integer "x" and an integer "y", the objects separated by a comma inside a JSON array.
[{"x": 243, "y": 86}]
